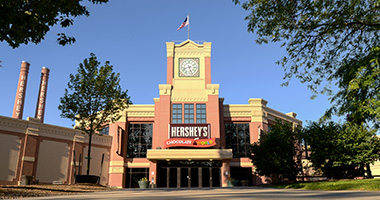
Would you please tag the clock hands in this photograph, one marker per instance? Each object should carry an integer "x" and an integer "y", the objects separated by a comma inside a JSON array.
[{"x": 189, "y": 69}]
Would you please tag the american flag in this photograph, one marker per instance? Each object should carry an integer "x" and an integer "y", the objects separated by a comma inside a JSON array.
[{"x": 185, "y": 23}]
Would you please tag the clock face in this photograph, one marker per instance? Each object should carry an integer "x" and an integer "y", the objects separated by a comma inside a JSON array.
[{"x": 188, "y": 67}]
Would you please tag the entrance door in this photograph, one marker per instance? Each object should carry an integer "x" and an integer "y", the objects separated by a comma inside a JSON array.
[
  {"x": 173, "y": 177},
  {"x": 185, "y": 177},
  {"x": 194, "y": 177},
  {"x": 206, "y": 177},
  {"x": 180, "y": 174}
]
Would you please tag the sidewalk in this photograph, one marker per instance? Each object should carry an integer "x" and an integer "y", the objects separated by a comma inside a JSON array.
[{"x": 221, "y": 193}]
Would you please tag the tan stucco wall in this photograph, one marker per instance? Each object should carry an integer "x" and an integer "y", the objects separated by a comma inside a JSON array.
[
  {"x": 43, "y": 151},
  {"x": 96, "y": 158},
  {"x": 257, "y": 110},
  {"x": 10, "y": 149},
  {"x": 52, "y": 161},
  {"x": 375, "y": 169}
]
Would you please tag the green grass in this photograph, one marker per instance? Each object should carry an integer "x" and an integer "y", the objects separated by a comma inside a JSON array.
[{"x": 364, "y": 184}]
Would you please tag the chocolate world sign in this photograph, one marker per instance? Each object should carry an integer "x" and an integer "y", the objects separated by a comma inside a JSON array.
[{"x": 189, "y": 135}]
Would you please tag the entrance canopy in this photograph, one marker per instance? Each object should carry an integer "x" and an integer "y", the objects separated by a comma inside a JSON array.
[{"x": 186, "y": 154}]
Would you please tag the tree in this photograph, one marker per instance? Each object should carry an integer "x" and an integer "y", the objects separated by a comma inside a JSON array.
[
  {"x": 276, "y": 154},
  {"x": 22, "y": 21},
  {"x": 323, "y": 40},
  {"x": 359, "y": 94},
  {"x": 94, "y": 98},
  {"x": 341, "y": 150}
]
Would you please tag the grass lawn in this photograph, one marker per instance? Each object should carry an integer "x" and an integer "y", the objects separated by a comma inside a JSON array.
[{"x": 361, "y": 184}]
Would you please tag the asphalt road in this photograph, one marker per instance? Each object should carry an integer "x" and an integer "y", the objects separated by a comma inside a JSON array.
[{"x": 221, "y": 193}]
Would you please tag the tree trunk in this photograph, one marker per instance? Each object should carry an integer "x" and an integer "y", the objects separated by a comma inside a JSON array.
[
  {"x": 89, "y": 153},
  {"x": 369, "y": 173}
]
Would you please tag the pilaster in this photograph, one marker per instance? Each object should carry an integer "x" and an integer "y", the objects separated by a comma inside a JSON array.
[
  {"x": 117, "y": 155},
  {"x": 29, "y": 153},
  {"x": 225, "y": 172},
  {"x": 77, "y": 147}
]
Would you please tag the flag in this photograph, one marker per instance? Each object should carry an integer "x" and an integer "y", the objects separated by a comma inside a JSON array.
[{"x": 185, "y": 23}]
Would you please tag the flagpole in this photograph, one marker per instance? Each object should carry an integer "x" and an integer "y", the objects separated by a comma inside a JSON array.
[{"x": 188, "y": 27}]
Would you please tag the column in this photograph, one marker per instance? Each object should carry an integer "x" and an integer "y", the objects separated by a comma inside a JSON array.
[
  {"x": 153, "y": 173},
  {"x": 226, "y": 173}
]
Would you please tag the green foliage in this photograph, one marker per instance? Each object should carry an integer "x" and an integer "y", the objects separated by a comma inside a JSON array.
[
  {"x": 341, "y": 151},
  {"x": 327, "y": 41},
  {"x": 22, "y": 21},
  {"x": 359, "y": 93},
  {"x": 275, "y": 154},
  {"x": 319, "y": 36},
  {"x": 94, "y": 97}
]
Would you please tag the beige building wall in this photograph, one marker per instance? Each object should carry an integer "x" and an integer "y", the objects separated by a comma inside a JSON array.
[
  {"x": 96, "y": 159},
  {"x": 10, "y": 149},
  {"x": 45, "y": 152},
  {"x": 52, "y": 161},
  {"x": 375, "y": 169}
]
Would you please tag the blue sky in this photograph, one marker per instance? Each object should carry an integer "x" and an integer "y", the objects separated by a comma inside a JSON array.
[{"x": 132, "y": 36}]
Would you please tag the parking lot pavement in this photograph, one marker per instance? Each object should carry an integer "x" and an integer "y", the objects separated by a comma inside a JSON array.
[{"x": 221, "y": 193}]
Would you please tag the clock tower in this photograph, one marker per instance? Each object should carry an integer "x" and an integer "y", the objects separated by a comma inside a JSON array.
[
  {"x": 189, "y": 70},
  {"x": 188, "y": 87}
]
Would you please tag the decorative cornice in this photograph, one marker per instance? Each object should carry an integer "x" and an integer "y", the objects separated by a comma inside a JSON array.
[
  {"x": 140, "y": 119},
  {"x": 13, "y": 125},
  {"x": 143, "y": 110},
  {"x": 49, "y": 131},
  {"x": 140, "y": 114},
  {"x": 189, "y": 99},
  {"x": 170, "y": 49},
  {"x": 183, "y": 52},
  {"x": 105, "y": 140},
  {"x": 212, "y": 89},
  {"x": 165, "y": 89},
  {"x": 61, "y": 133},
  {"x": 274, "y": 114},
  {"x": 237, "y": 114},
  {"x": 257, "y": 101}
]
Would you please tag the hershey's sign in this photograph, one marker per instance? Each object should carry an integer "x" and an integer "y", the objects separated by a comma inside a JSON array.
[{"x": 200, "y": 131}]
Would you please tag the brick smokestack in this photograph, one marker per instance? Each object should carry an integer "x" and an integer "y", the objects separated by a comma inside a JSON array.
[
  {"x": 41, "y": 100},
  {"x": 18, "y": 108}
]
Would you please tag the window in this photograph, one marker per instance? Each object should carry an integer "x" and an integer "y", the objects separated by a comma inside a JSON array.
[
  {"x": 238, "y": 139},
  {"x": 139, "y": 140},
  {"x": 201, "y": 113},
  {"x": 104, "y": 131},
  {"x": 177, "y": 114},
  {"x": 189, "y": 113}
]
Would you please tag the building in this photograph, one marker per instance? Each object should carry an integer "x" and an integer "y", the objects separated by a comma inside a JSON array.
[
  {"x": 32, "y": 151},
  {"x": 188, "y": 137}
]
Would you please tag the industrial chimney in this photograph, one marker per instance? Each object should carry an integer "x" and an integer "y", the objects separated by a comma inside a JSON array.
[
  {"x": 18, "y": 108},
  {"x": 41, "y": 100}
]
